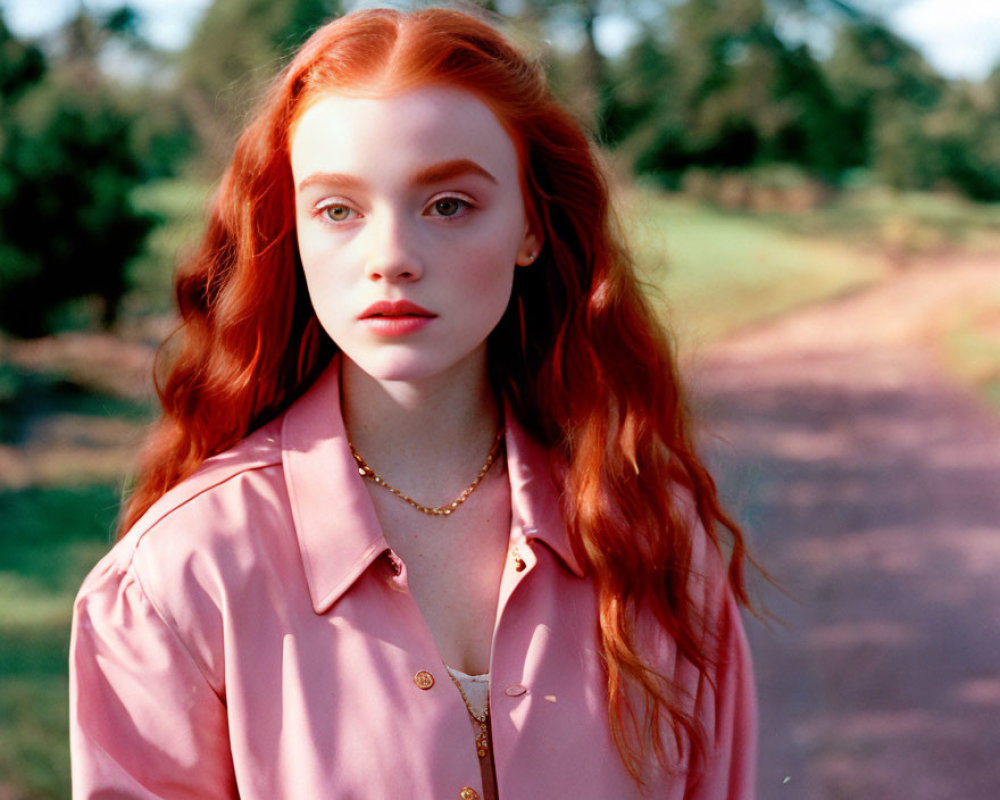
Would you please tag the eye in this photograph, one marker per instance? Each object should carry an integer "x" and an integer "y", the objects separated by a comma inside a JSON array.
[
  {"x": 449, "y": 207},
  {"x": 334, "y": 209},
  {"x": 337, "y": 212}
]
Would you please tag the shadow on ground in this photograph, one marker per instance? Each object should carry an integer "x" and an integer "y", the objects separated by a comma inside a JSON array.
[{"x": 871, "y": 489}]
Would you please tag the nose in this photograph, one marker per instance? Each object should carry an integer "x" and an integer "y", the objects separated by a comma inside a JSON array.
[{"x": 393, "y": 252}]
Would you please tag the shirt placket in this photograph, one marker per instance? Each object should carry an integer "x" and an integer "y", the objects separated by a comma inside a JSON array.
[{"x": 431, "y": 677}]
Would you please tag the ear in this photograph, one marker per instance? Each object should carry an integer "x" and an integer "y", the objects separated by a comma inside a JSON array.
[{"x": 531, "y": 245}]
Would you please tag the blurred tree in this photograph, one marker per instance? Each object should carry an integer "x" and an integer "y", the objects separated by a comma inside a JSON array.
[
  {"x": 965, "y": 130},
  {"x": 237, "y": 47},
  {"x": 640, "y": 105},
  {"x": 21, "y": 66},
  {"x": 67, "y": 229},
  {"x": 723, "y": 90},
  {"x": 581, "y": 75},
  {"x": 888, "y": 89}
]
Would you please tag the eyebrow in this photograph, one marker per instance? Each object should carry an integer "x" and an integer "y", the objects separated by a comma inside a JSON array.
[
  {"x": 447, "y": 170},
  {"x": 435, "y": 173},
  {"x": 331, "y": 178}
]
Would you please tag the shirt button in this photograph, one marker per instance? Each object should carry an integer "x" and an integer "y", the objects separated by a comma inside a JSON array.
[
  {"x": 515, "y": 690},
  {"x": 468, "y": 793},
  {"x": 423, "y": 679}
]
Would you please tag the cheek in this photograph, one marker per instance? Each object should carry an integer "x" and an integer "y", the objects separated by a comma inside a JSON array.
[
  {"x": 489, "y": 260},
  {"x": 487, "y": 275},
  {"x": 326, "y": 292}
]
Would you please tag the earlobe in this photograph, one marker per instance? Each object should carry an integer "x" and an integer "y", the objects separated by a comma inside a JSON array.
[{"x": 530, "y": 247}]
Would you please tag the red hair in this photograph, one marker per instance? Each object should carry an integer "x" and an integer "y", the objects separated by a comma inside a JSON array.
[{"x": 579, "y": 355}]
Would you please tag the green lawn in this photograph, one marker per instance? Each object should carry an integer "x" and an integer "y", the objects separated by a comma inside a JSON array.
[
  {"x": 716, "y": 271},
  {"x": 972, "y": 349},
  {"x": 910, "y": 223},
  {"x": 50, "y": 539}
]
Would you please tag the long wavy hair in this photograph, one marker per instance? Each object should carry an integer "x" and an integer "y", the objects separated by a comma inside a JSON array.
[{"x": 580, "y": 356}]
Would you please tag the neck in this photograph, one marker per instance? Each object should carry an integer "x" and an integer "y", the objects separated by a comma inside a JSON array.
[{"x": 409, "y": 427}]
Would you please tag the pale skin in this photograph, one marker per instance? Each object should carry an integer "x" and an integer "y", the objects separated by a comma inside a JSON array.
[{"x": 416, "y": 197}]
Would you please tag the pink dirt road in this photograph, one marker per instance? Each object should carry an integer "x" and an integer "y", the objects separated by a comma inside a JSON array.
[{"x": 869, "y": 482}]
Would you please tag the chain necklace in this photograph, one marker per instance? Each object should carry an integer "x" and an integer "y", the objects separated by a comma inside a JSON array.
[
  {"x": 482, "y": 719},
  {"x": 368, "y": 473}
]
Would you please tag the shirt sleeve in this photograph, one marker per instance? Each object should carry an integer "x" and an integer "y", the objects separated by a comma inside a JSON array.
[
  {"x": 729, "y": 713},
  {"x": 145, "y": 722}
]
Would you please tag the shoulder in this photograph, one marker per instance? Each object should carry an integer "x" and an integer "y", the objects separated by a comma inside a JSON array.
[
  {"x": 206, "y": 508},
  {"x": 182, "y": 557},
  {"x": 255, "y": 460}
]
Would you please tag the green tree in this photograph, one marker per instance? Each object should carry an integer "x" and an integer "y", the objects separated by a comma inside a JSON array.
[
  {"x": 67, "y": 229},
  {"x": 722, "y": 89},
  {"x": 21, "y": 67},
  {"x": 965, "y": 129},
  {"x": 888, "y": 91}
]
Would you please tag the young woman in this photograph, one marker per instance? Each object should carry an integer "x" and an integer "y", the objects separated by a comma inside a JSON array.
[{"x": 422, "y": 517}]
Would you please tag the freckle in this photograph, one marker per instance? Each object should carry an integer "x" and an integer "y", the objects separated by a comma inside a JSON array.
[{"x": 550, "y": 697}]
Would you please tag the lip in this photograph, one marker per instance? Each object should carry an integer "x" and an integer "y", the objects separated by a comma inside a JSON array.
[
  {"x": 396, "y": 318},
  {"x": 389, "y": 309}
]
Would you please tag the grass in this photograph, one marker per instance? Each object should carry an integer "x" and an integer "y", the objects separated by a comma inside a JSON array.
[
  {"x": 972, "y": 349},
  {"x": 904, "y": 224},
  {"x": 717, "y": 271},
  {"x": 50, "y": 539}
]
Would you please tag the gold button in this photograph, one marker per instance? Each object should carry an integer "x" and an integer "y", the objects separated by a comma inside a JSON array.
[
  {"x": 468, "y": 793},
  {"x": 423, "y": 679}
]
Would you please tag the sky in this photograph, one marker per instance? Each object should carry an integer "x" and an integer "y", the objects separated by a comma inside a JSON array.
[{"x": 961, "y": 38}]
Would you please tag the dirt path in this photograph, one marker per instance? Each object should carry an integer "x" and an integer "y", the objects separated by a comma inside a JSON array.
[{"x": 870, "y": 483}]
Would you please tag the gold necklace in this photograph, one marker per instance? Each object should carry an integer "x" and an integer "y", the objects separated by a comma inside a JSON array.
[
  {"x": 367, "y": 472},
  {"x": 481, "y": 718}
]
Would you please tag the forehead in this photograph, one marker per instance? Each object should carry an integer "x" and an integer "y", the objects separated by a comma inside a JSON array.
[{"x": 347, "y": 133}]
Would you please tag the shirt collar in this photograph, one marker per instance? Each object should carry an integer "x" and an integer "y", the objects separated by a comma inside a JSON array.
[{"x": 335, "y": 522}]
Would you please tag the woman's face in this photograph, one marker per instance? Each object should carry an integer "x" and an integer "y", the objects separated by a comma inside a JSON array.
[{"x": 410, "y": 221}]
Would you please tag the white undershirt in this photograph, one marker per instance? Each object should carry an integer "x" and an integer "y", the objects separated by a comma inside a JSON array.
[{"x": 476, "y": 688}]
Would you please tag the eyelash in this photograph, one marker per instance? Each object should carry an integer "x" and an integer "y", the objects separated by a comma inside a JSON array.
[{"x": 464, "y": 207}]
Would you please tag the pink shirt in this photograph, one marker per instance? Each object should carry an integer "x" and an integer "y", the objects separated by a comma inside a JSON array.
[{"x": 253, "y": 636}]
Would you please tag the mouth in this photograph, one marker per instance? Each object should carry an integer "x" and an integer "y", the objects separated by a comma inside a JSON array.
[{"x": 396, "y": 309}]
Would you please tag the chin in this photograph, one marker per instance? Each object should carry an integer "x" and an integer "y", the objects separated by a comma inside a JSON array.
[
  {"x": 394, "y": 367},
  {"x": 411, "y": 367}
]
